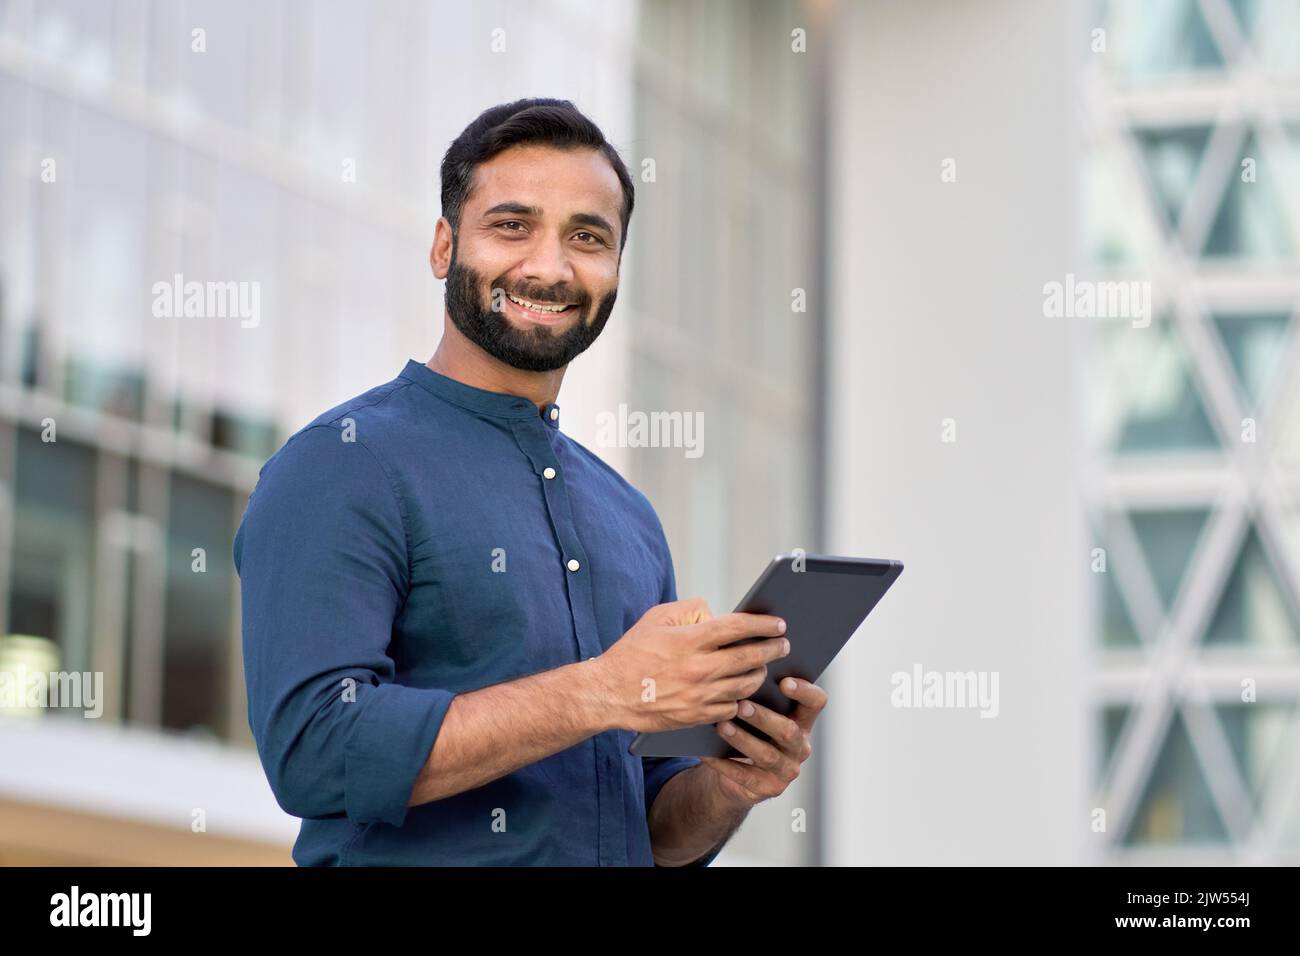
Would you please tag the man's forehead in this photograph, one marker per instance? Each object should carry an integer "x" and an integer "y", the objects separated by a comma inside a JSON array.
[{"x": 559, "y": 182}]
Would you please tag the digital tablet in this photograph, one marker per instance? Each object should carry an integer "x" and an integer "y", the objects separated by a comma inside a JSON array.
[{"x": 823, "y": 599}]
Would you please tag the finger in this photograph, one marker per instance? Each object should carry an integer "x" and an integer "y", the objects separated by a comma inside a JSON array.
[
  {"x": 811, "y": 700},
  {"x": 735, "y": 626},
  {"x": 756, "y": 783},
  {"x": 738, "y": 660},
  {"x": 785, "y": 732},
  {"x": 766, "y": 756},
  {"x": 739, "y": 687}
]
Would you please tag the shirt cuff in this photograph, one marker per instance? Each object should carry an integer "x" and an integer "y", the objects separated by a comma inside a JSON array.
[
  {"x": 658, "y": 771},
  {"x": 389, "y": 744}
]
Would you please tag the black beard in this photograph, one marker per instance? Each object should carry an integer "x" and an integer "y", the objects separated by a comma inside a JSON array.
[{"x": 533, "y": 350}]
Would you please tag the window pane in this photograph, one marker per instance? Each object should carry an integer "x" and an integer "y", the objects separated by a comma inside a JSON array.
[
  {"x": 1176, "y": 806},
  {"x": 1252, "y": 609},
  {"x": 1255, "y": 732},
  {"x": 1254, "y": 343},
  {"x": 1173, "y": 158},
  {"x": 198, "y": 606},
  {"x": 1147, "y": 400},
  {"x": 1251, "y": 222},
  {"x": 1168, "y": 539},
  {"x": 1151, "y": 39},
  {"x": 1117, "y": 628},
  {"x": 52, "y": 576},
  {"x": 1113, "y": 718}
]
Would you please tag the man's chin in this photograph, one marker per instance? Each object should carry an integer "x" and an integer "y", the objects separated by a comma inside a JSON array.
[
  {"x": 533, "y": 350},
  {"x": 532, "y": 362}
]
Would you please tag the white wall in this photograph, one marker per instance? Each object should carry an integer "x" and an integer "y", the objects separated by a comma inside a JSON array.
[{"x": 937, "y": 313}]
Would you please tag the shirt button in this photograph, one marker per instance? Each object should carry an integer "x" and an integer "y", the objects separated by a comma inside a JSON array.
[
  {"x": 555, "y": 413},
  {"x": 549, "y": 473},
  {"x": 573, "y": 564}
]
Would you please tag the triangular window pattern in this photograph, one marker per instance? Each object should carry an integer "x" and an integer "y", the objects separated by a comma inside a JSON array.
[
  {"x": 1176, "y": 805},
  {"x": 1253, "y": 609}
]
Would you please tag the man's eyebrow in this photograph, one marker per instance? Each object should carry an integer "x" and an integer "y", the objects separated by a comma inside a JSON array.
[
  {"x": 518, "y": 208},
  {"x": 577, "y": 219}
]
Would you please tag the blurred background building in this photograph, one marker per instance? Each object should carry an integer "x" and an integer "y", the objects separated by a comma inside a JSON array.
[
  {"x": 1192, "y": 172},
  {"x": 840, "y": 245}
]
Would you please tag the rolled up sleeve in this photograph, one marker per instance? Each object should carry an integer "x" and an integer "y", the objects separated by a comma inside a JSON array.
[
  {"x": 658, "y": 771},
  {"x": 322, "y": 556}
]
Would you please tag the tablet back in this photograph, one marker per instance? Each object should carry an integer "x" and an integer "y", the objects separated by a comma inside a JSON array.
[{"x": 824, "y": 599}]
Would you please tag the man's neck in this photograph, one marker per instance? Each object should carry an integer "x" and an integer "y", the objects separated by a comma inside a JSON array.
[{"x": 458, "y": 358}]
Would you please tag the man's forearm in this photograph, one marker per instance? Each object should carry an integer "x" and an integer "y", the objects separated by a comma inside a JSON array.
[
  {"x": 690, "y": 817},
  {"x": 494, "y": 731}
]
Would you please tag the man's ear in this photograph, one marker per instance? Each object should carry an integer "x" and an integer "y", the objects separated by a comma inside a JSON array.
[{"x": 440, "y": 252}]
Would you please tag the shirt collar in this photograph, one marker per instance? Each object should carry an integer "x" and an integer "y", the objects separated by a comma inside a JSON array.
[{"x": 496, "y": 404}]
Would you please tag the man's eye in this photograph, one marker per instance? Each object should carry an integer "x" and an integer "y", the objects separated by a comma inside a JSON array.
[
  {"x": 593, "y": 237},
  {"x": 510, "y": 222}
]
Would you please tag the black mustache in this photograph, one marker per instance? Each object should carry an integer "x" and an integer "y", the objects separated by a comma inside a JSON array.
[{"x": 545, "y": 300}]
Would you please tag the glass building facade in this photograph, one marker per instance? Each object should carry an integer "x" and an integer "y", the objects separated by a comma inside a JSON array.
[{"x": 1193, "y": 129}]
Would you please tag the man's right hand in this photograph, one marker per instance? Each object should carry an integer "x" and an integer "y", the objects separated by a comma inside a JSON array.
[{"x": 672, "y": 670}]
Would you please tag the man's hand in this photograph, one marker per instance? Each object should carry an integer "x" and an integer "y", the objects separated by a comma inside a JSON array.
[
  {"x": 671, "y": 669},
  {"x": 767, "y": 768}
]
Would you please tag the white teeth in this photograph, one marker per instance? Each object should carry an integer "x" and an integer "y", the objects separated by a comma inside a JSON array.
[{"x": 524, "y": 303}]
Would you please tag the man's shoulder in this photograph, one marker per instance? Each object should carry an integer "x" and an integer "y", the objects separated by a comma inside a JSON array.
[
  {"x": 382, "y": 408},
  {"x": 372, "y": 420}
]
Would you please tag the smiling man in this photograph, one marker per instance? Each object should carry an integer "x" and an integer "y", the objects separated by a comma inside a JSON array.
[{"x": 456, "y": 618}]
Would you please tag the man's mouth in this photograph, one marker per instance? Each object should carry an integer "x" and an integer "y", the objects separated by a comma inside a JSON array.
[{"x": 546, "y": 311}]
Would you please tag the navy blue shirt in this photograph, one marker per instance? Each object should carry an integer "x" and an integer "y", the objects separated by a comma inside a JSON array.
[{"x": 425, "y": 539}]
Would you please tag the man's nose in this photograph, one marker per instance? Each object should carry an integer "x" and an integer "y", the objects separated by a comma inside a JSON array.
[{"x": 547, "y": 263}]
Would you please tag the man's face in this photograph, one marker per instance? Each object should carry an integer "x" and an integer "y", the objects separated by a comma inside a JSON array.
[{"x": 539, "y": 231}]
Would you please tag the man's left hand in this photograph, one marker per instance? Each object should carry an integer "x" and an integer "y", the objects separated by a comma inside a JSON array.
[{"x": 767, "y": 768}]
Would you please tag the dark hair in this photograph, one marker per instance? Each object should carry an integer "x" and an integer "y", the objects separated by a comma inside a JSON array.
[{"x": 555, "y": 123}]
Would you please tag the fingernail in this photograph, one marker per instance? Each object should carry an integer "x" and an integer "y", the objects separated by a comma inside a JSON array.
[
  {"x": 785, "y": 646},
  {"x": 746, "y": 709},
  {"x": 780, "y": 625},
  {"x": 728, "y": 729},
  {"x": 790, "y": 685}
]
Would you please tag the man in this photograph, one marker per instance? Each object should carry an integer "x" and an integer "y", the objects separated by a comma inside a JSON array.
[{"x": 456, "y": 618}]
